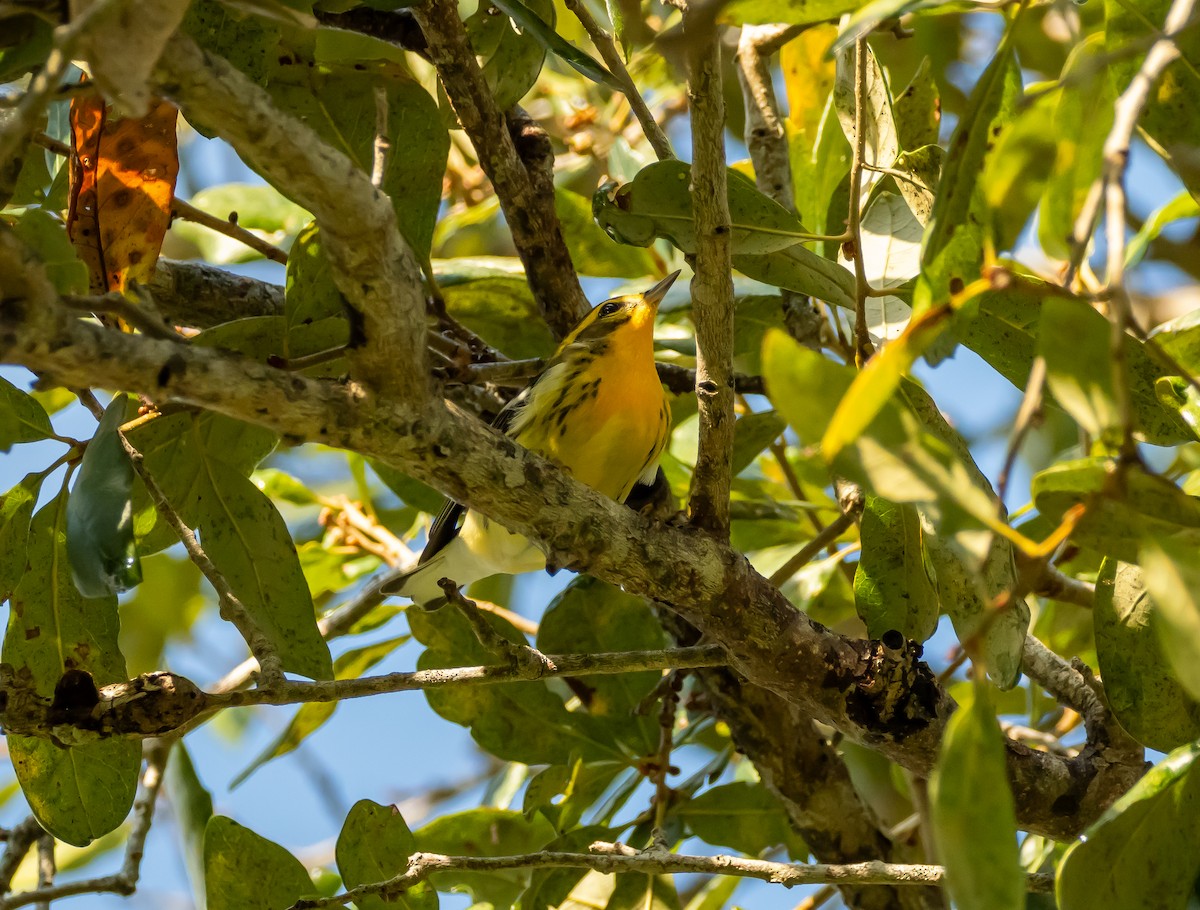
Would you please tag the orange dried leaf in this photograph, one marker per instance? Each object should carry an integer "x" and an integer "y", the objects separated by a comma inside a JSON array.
[{"x": 122, "y": 181}]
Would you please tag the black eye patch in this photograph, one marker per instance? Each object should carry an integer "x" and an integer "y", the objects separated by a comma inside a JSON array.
[{"x": 609, "y": 309}]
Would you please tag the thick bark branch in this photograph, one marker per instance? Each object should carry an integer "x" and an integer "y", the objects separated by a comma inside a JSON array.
[
  {"x": 712, "y": 285},
  {"x": 514, "y": 164},
  {"x": 882, "y": 698},
  {"x": 372, "y": 265}
]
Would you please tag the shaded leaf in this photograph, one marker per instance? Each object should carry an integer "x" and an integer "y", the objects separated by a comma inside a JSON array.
[
  {"x": 1142, "y": 690},
  {"x": 592, "y": 251},
  {"x": 923, "y": 169},
  {"x": 744, "y": 817},
  {"x": 373, "y": 846},
  {"x": 1183, "y": 206},
  {"x": 972, "y": 811},
  {"x": 544, "y": 32},
  {"x": 247, "y": 540},
  {"x": 751, "y": 435},
  {"x": 1172, "y": 577},
  {"x": 100, "y": 542},
  {"x": 1144, "y": 852},
  {"x": 1017, "y": 168},
  {"x": 45, "y": 234},
  {"x": 918, "y": 110},
  {"x": 146, "y": 625},
  {"x": 16, "y": 510},
  {"x": 22, "y": 419},
  {"x": 881, "y": 144},
  {"x": 192, "y": 807},
  {"x": 792, "y": 12},
  {"x": 510, "y": 58},
  {"x": 485, "y": 832},
  {"x": 77, "y": 793},
  {"x": 244, "y": 871},
  {"x": 895, "y": 586}
]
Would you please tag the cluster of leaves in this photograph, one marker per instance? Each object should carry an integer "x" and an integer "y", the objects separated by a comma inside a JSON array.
[{"x": 939, "y": 207}]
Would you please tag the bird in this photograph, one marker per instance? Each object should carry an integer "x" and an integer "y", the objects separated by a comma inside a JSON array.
[{"x": 597, "y": 409}]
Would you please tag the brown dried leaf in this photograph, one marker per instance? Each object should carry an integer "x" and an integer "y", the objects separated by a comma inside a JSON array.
[{"x": 122, "y": 180}]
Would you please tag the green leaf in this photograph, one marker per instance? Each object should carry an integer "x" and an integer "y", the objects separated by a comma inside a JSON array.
[
  {"x": 525, "y": 721},
  {"x": 373, "y": 846},
  {"x": 972, "y": 811},
  {"x": 1141, "y": 688},
  {"x": 485, "y": 832},
  {"x": 641, "y": 892},
  {"x": 309, "y": 292},
  {"x": 923, "y": 167},
  {"x": 820, "y": 166},
  {"x": 22, "y": 419},
  {"x": 1117, "y": 519},
  {"x": 1169, "y": 116},
  {"x": 1173, "y": 579},
  {"x": 953, "y": 248},
  {"x": 100, "y": 541},
  {"x": 192, "y": 807},
  {"x": 281, "y": 485},
  {"x": 244, "y": 871},
  {"x": 918, "y": 110},
  {"x": 312, "y": 716},
  {"x": 791, "y": 12},
  {"x": 77, "y": 793},
  {"x": 592, "y": 616},
  {"x": 16, "y": 510},
  {"x": 716, "y": 893},
  {"x": 1144, "y": 852},
  {"x": 1083, "y": 117},
  {"x": 751, "y": 435},
  {"x": 28, "y": 39},
  {"x": 248, "y": 542},
  {"x": 1181, "y": 207},
  {"x": 592, "y": 251},
  {"x": 1076, "y": 342},
  {"x": 895, "y": 586},
  {"x": 511, "y": 58},
  {"x": 744, "y": 817},
  {"x": 492, "y": 298},
  {"x": 46, "y": 235},
  {"x": 581, "y": 62},
  {"x": 180, "y": 451},
  {"x": 890, "y": 236},
  {"x": 1017, "y": 168}
]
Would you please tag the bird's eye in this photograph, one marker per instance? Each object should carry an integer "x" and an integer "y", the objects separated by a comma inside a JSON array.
[{"x": 610, "y": 309}]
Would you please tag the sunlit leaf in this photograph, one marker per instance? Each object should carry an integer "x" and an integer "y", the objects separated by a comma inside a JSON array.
[
  {"x": 16, "y": 510},
  {"x": 192, "y": 806},
  {"x": 895, "y": 586},
  {"x": 1172, "y": 577},
  {"x": 244, "y": 871},
  {"x": 744, "y": 817},
  {"x": 373, "y": 846},
  {"x": 22, "y": 419},
  {"x": 881, "y": 144}
]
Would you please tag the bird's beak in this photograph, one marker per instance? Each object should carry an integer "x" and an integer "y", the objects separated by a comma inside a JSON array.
[{"x": 656, "y": 294}]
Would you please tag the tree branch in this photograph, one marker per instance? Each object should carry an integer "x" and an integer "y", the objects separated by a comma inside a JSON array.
[
  {"x": 617, "y": 858},
  {"x": 529, "y": 213},
  {"x": 371, "y": 264},
  {"x": 160, "y": 703},
  {"x": 886, "y": 699},
  {"x": 228, "y": 227},
  {"x": 200, "y": 295},
  {"x": 712, "y": 284},
  {"x": 764, "y": 134}
]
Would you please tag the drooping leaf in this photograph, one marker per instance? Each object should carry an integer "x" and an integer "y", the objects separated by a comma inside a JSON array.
[
  {"x": 1183, "y": 206},
  {"x": 918, "y": 110},
  {"x": 22, "y": 419},
  {"x": 192, "y": 806},
  {"x": 895, "y": 586},
  {"x": 592, "y": 616},
  {"x": 248, "y": 541},
  {"x": 373, "y": 846},
  {"x": 1172, "y": 577},
  {"x": 751, "y": 434},
  {"x": 1142, "y": 690},
  {"x": 312, "y": 716},
  {"x": 1083, "y": 117},
  {"x": 1144, "y": 852},
  {"x": 510, "y": 58},
  {"x": 524, "y": 721},
  {"x": 244, "y": 871},
  {"x": 891, "y": 251},
  {"x": 121, "y": 189},
  {"x": 544, "y": 32},
  {"x": 792, "y": 12},
  {"x": 485, "y": 832},
  {"x": 744, "y": 817},
  {"x": 972, "y": 810},
  {"x": 100, "y": 540},
  {"x": 77, "y": 793},
  {"x": 16, "y": 510},
  {"x": 808, "y": 75}
]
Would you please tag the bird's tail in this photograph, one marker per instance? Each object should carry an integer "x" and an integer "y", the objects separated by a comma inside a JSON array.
[{"x": 421, "y": 583}]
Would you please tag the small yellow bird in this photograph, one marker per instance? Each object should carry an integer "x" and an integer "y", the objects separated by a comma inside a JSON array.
[{"x": 597, "y": 409}]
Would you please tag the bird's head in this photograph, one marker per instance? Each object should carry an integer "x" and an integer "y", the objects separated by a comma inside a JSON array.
[{"x": 634, "y": 312}]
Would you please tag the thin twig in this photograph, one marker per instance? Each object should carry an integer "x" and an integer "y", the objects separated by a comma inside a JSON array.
[
  {"x": 116, "y": 304},
  {"x": 382, "y": 143},
  {"x": 662, "y": 761},
  {"x": 229, "y": 227},
  {"x": 612, "y": 59},
  {"x": 231, "y": 607},
  {"x": 20, "y": 838},
  {"x": 862, "y": 336},
  {"x": 47, "y": 867},
  {"x": 517, "y": 653},
  {"x": 617, "y": 858},
  {"x": 809, "y": 551}
]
